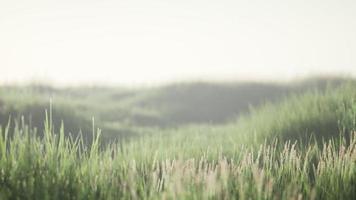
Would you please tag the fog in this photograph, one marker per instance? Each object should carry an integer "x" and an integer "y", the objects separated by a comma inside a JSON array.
[{"x": 151, "y": 42}]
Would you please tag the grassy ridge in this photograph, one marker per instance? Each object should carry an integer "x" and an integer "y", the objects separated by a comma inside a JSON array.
[{"x": 312, "y": 116}]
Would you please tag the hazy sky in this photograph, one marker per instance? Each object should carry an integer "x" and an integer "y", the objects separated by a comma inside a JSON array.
[{"x": 154, "y": 41}]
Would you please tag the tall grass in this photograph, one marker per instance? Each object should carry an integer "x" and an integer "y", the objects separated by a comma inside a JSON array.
[{"x": 55, "y": 167}]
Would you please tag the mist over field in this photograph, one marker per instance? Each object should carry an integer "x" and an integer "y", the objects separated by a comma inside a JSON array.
[{"x": 178, "y": 100}]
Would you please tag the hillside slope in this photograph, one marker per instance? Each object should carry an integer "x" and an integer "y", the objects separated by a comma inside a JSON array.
[{"x": 118, "y": 110}]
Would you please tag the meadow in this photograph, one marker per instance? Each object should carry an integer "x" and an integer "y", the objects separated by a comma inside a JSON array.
[{"x": 192, "y": 141}]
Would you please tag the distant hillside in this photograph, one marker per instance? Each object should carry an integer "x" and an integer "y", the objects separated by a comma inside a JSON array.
[
  {"x": 118, "y": 110},
  {"x": 203, "y": 102}
]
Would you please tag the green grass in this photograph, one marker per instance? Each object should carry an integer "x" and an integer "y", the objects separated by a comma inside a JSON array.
[
  {"x": 56, "y": 168},
  {"x": 303, "y": 147}
]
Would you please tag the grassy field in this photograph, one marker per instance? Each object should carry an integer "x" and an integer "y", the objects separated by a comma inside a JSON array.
[{"x": 295, "y": 141}]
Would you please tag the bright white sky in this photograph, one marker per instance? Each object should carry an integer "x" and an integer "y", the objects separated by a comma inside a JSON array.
[{"x": 155, "y": 41}]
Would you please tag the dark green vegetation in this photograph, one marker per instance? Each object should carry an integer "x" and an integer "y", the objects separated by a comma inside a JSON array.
[{"x": 301, "y": 145}]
